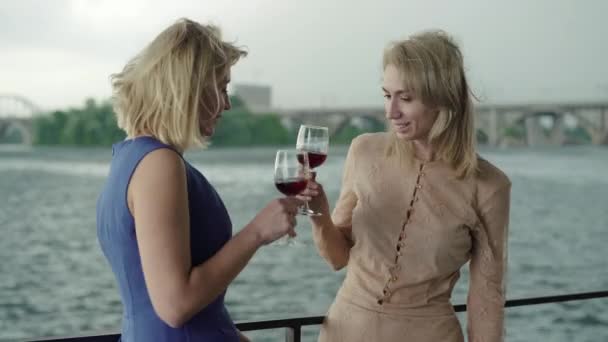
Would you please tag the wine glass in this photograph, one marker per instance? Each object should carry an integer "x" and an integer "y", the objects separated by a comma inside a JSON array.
[
  {"x": 314, "y": 141},
  {"x": 291, "y": 170},
  {"x": 291, "y": 175}
]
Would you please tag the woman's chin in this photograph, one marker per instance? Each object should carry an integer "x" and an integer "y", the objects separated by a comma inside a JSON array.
[
  {"x": 403, "y": 135},
  {"x": 207, "y": 131}
]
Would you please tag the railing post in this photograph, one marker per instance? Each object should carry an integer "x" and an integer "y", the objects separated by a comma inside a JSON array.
[{"x": 293, "y": 334}]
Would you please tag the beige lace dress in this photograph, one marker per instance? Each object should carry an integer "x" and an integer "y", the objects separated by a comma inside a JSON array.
[{"x": 413, "y": 228}]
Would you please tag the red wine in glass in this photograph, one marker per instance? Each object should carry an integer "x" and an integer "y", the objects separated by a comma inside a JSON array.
[
  {"x": 291, "y": 187},
  {"x": 315, "y": 159}
]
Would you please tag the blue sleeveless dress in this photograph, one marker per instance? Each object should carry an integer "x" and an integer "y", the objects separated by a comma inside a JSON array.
[{"x": 210, "y": 229}]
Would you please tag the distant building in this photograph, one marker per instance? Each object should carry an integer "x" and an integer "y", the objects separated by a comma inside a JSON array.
[{"x": 256, "y": 97}]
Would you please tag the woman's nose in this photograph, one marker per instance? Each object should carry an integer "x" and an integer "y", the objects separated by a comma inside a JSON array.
[{"x": 392, "y": 110}]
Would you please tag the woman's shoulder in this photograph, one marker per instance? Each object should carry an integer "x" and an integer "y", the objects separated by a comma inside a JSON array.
[
  {"x": 161, "y": 162},
  {"x": 140, "y": 146},
  {"x": 490, "y": 178},
  {"x": 370, "y": 142}
]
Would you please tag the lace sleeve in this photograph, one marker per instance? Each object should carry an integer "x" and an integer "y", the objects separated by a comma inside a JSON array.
[{"x": 486, "y": 298}]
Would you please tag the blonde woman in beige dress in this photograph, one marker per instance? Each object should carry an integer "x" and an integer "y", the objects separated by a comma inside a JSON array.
[{"x": 416, "y": 204}]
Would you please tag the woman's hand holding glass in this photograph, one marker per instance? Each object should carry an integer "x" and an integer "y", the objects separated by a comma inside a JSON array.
[
  {"x": 276, "y": 220},
  {"x": 314, "y": 194}
]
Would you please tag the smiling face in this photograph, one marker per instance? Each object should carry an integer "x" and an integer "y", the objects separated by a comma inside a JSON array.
[{"x": 409, "y": 117}]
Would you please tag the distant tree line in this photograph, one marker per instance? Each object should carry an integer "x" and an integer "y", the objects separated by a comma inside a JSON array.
[{"x": 94, "y": 124}]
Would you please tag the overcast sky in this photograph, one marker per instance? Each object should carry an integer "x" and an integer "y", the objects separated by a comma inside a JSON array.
[{"x": 312, "y": 52}]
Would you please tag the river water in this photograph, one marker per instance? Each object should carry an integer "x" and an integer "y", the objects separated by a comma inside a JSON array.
[{"x": 55, "y": 281}]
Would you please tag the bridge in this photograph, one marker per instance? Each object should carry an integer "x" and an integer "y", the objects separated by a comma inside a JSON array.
[
  {"x": 533, "y": 124},
  {"x": 17, "y": 115}
]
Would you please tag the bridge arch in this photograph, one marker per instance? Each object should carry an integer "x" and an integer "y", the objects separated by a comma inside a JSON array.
[
  {"x": 19, "y": 128},
  {"x": 17, "y": 114}
]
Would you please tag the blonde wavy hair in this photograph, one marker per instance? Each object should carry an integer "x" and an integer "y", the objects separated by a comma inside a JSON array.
[
  {"x": 432, "y": 67},
  {"x": 164, "y": 89}
]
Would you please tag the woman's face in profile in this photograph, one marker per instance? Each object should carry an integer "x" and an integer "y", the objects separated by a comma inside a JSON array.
[
  {"x": 211, "y": 111},
  {"x": 409, "y": 118}
]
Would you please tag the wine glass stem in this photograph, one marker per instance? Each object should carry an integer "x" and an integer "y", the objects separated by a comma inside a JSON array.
[{"x": 313, "y": 176}]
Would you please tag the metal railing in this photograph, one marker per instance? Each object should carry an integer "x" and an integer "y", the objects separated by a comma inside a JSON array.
[{"x": 293, "y": 326}]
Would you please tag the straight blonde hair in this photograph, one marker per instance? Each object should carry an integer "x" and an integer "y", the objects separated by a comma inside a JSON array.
[
  {"x": 165, "y": 88},
  {"x": 432, "y": 67}
]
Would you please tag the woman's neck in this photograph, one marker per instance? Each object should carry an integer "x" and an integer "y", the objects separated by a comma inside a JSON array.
[
  {"x": 423, "y": 150},
  {"x": 138, "y": 135}
]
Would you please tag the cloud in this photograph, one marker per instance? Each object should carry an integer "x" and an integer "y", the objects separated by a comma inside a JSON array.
[{"x": 313, "y": 52}]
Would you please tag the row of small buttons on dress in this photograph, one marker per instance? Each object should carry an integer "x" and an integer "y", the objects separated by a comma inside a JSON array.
[{"x": 393, "y": 270}]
